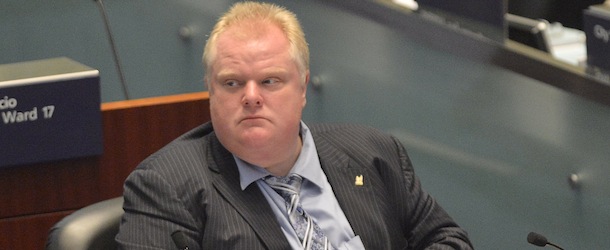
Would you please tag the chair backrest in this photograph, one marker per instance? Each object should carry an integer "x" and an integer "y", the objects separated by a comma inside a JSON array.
[{"x": 89, "y": 228}]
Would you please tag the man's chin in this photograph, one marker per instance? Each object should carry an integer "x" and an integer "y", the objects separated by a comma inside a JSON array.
[{"x": 256, "y": 135}]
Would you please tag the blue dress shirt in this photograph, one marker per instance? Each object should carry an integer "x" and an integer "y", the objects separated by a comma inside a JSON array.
[{"x": 317, "y": 197}]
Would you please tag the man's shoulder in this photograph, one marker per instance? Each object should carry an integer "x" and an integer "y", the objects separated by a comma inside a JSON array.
[
  {"x": 345, "y": 129},
  {"x": 349, "y": 135},
  {"x": 362, "y": 143},
  {"x": 189, "y": 147},
  {"x": 194, "y": 138},
  {"x": 331, "y": 127}
]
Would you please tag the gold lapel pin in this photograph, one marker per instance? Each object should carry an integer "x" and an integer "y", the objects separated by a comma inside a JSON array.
[{"x": 359, "y": 180}]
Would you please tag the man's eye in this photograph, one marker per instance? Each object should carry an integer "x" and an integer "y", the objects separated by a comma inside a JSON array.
[
  {"x": 271, "y": 81},
  {"x": 231, "y": 83}
]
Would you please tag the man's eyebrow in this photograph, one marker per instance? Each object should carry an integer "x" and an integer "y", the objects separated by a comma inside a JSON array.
[
  {"x": 272, "y": 71},
  {"x": 226, "y": 74},
  {"x": 275, "y": 71}
]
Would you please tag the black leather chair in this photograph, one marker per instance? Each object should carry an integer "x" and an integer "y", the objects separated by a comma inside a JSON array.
[{"x": 89, "y": 228}]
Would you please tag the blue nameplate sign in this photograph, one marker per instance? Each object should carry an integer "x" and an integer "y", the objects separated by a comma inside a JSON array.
[
  {"x": 596, "y": 21},
  {"x": 49, "y": 110}
]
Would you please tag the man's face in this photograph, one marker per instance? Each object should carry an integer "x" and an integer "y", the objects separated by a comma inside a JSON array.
[{"x": 257, "y": 95}]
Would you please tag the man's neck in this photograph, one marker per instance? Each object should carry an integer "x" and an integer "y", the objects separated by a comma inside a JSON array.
[{"x": 284, "y": 168}]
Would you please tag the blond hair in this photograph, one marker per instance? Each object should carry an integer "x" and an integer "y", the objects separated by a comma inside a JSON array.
[{"x": 247, "y": 12}]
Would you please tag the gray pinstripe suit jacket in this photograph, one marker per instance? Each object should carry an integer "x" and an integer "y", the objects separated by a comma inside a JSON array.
[{"x": 192, "y": 185}]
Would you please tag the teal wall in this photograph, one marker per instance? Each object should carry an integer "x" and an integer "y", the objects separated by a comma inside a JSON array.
[
  {"x": 156, "y": 60},
  {"x": 494, "y": 147}
]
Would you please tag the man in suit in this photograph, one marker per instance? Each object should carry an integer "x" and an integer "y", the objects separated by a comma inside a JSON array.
[{"x": 216, "y": 187}]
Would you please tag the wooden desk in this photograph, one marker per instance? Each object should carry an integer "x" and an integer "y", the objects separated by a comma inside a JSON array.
[{"x": 34, "y": 197}]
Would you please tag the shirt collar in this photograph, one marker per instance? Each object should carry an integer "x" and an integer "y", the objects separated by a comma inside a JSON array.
[{"x": 307, "y": 164}]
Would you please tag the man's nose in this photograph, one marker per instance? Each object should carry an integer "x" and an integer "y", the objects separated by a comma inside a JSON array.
[{"x": 252, "y": 94}]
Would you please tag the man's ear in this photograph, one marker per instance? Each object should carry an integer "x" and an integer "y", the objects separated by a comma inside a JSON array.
[
  {"x": 206, "y": 81},
  {"x": 305, "y": 88},
  {"x": 306, "y": 80}
]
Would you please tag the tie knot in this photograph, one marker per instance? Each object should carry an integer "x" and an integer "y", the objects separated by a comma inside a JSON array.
[{"x": 290, "y": 184}]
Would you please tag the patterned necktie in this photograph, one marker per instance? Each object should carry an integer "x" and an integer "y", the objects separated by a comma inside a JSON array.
[{"x": 307, "y": 230}]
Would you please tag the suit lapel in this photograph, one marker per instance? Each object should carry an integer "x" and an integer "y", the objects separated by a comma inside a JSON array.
[
  {"x": 250, "y": 203},
  {"x": 357, "y": 199}
]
